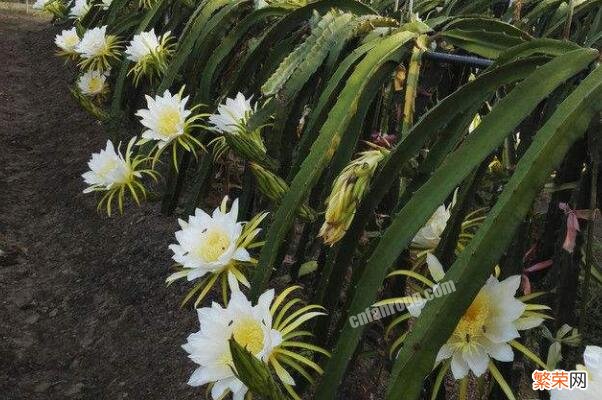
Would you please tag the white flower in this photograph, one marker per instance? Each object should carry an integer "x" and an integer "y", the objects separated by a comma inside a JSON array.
[
  {"x": 429, "y": 235},
  {"x": 165, "y": 117},
  {"x": 40, "y": 4},
  {"x": 593, "y": 365},
  {"x": 490, "y": 323},
  {"x": 97, "y": 49},
  {"x": 108, "y": 168},
  {"x": 106, "y": 4},
  {"x": 142, "y": 45},
  {"x": 92, "y": 83},
  {"x": 209, "y": 243},
  {"x": 79, "y": 9},
  {"x": 117, "y": 175},
  {"x": 150, "y": 54},
  {"x": 67, "y": 40},
  {"x": 233, "y": 115},
  {"x": 250, "y": 326},
  {"x": 94, "y": 43}
]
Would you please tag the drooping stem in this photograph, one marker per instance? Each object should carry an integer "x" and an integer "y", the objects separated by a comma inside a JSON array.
[
  {"x": 463, "y": 395},
  {"x": 201, "y": 176},
  {"x": 518, "y": 6},
  {"x": 412, "y": 86},
  {"x": 175, "y": 181},
  {"x": 569, "y": 20},
  {"x": 595, "y": 159}
]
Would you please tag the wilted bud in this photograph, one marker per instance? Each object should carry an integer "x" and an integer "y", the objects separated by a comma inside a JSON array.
[
  {"x": 495, "y": 167},
  {"x": 383, "y": 140},
  {"x": 348, "y": 190},
  {"x": 274, "y": 187}
]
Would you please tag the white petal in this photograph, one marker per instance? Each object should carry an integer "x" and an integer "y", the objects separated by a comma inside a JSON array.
[
  {"x": 241, "y": 254},
  {"x": 219, "y": 389},
  {"x": 501, "y": 332},
  {"x": 500, "y": 351},
  {"x": 459, "y": 367},
  {"x": 202, "y": 376},
  {"x": 445, "y": 352},
  {"x": 435, "y": 267},
  {"x": 593, "y": 359},
  {"x": 477, "y": 360},
  {"x": 522, "y": 324}
]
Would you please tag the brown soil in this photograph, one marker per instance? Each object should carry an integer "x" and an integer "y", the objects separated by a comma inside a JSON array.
[{"x": 84, "y": 310}]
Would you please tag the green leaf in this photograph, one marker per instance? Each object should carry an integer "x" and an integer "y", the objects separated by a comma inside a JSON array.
[
  {"x": 544, "y": 47},
  {"x": 193, "y": 29},
  {"x": 282, "y": 29},
  {"x": 226, "y": 49},
  {"x": 332, "y": 28},
  {"x": 215, "y": 28},
  {"x": 580, "y": 10},
  {"x": 327, "y": 97},
  {"x": 114, "y": 9},
  {"x": 323, "y": 149},
  {"x": 483, "y": 36}
]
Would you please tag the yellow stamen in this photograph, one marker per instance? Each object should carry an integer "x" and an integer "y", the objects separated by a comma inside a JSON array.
[
  {"x": 169, "y": 121},
  {"x": 108, "y": 166},
  {"x": 472, "y": 323},
  {"x": 248, "y": 334},
  {"x": 71, "y": 41},
  {"x": 95, "y": 85},
  {"x": 213, "y": 244}
]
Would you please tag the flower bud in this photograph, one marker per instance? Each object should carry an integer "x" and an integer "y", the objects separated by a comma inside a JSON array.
[
  {"x": 249, "y": 146},
  {"x": 274, "y": 187},
  {"x": 347, "y": 191}
]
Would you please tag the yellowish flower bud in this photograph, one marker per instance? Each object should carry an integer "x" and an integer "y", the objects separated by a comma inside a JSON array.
[{"x": 347, "y": 191}]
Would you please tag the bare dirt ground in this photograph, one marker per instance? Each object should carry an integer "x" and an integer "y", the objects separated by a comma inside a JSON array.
[{"x": 84, "y": 310}]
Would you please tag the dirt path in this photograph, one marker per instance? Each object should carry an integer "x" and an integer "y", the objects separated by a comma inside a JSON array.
[{"x": 84, "y": 311}]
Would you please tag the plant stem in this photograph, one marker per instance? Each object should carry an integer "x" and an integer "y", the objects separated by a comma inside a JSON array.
[
  {"x": 412, "y": 86},
  {"x": 595, "y": 159},
  {"x": 463, "y": 395},
  {"x": 569, "y": 20},
  {"x": 518, "y": 6}
]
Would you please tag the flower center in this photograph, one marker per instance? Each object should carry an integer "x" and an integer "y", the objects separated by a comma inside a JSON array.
[
  {"x": 114, "y": 171},
  {"x": 169, "y": 121},
  {"x": 95, "y": 85},
  {"x": 248, "y": 334},
  {"x": 108, "y": 166},
  {"x": 213, "y": 245},
  {"x": 472, "y": 323},
  {"x": 100, "y": 48},
  {"x": 71, "y": 41}
]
